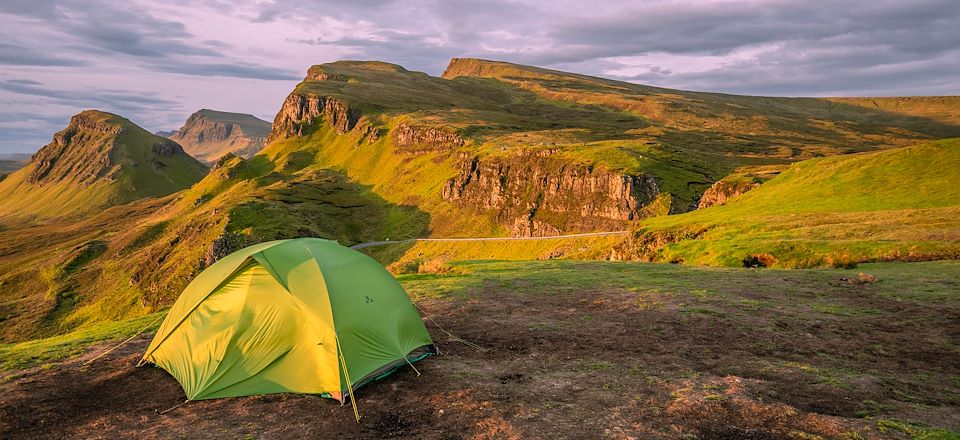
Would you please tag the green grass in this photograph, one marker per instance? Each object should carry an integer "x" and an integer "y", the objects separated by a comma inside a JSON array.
[
  {"x": 917, "y": 431},
  {"x": 895, "y": 204},
  {"x": 39, "y": 352}
]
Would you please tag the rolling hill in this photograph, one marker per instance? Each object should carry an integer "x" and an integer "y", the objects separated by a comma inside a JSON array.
[
  {"x": 899, "y": 205},
  {"x": 209, "y": 135},
  {"x": 98, "y": 160}
]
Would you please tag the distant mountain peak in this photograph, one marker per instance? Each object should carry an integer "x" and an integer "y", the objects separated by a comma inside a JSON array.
[{"x": 209, "y": 134}]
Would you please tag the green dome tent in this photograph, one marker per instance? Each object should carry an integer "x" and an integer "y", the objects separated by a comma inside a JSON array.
[{"x": 303, "y": 316}]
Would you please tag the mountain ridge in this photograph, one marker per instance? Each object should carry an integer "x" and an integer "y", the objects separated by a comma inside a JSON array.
[{"x": 98, "y": 160}]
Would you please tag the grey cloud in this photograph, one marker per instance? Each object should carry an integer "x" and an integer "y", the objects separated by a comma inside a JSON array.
[
  {"x": 819, "y": 47},
  {"x": 96, "y": 98},
  {"x": 239, "y": 70},
  {"x": 15, "y": 55}
]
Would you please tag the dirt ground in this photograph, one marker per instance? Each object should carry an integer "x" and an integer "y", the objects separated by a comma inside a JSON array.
[{"x": 597, "y": 361}]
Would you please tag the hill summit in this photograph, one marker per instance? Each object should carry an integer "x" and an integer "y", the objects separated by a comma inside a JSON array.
[
  {"x": 98, "y": 160},
  {"x": 209, "y": 134}
]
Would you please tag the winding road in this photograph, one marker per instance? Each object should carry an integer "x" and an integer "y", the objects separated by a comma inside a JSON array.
[{"x": 552, "y": 237}]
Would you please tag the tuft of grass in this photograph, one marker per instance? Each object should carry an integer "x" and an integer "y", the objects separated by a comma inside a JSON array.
[{"x": 916, "y": 431}]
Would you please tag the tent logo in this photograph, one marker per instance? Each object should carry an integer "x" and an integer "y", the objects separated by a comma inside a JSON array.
[{"x": 367, "y": 299}]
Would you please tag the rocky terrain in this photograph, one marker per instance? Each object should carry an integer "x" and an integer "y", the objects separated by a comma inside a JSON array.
[
  {"x": 208, "y": 135},
  {"x": 521, "y": 190}
]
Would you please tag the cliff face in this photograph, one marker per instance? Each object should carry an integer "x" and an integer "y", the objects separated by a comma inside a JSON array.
[
  {"x": 537, "y": 195},
  {"x": 208, "y": 135},
  {"x": 738, "y": 182},
  {"x": 300, "y": 111}
]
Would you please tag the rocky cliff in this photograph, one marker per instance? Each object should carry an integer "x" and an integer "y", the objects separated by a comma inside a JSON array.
[
  {"x": 207, "y": 135},
  {"x": 723, "y": 190},
  {"x": 737, "y": 183},
  {"x": 412, "y": 138},
  {"x": 536, "y": 194},
  {"x": 300, "y": 111}
]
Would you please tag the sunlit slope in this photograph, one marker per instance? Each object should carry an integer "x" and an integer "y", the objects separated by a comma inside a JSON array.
[
  {"x": 410, "y": 136},
  {"x": 98, "y": 160},
  {"x": 901, "y": 204}
]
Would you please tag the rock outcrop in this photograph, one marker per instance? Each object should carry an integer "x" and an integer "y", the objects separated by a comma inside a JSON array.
[
  {"x": 300, "y": 111},
  {"x": 410, "y": 138},
  {"x": 537, "y": 195},
  {"x": 207, "y": 135},
  {"x": 723, "y": 190},
  {"x": 736, "y": 184}
]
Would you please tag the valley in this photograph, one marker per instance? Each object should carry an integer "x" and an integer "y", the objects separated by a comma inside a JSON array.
[{"x": 688, "y": 262}]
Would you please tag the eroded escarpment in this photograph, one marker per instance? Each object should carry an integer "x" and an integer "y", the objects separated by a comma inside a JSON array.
[
  {"x": 300, "y": 111},
  {"x": 534, "y": 194}
]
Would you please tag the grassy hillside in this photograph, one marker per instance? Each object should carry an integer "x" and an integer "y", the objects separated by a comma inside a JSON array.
[
  {"x": 99, "y": 160},
  {"x": 506, "y": 113},
  {"x": 136, "y": 258},
  {"x": 901, "y": 204}
]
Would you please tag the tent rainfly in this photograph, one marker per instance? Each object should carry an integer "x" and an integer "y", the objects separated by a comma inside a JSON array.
[{"x": 301, "y": 316}]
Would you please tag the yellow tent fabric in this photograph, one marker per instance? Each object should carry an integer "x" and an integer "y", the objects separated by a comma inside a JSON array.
[{"x": 302, "y": 315}]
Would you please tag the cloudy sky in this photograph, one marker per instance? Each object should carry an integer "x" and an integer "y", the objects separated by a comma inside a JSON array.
[{"x": 156, "y": 62}]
